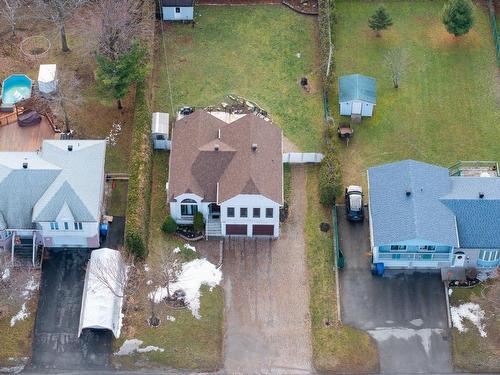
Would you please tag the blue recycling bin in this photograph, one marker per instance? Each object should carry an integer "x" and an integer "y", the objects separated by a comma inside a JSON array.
[
  {"x": 103, "y": 229},
  {"x": 380, "y": 269}
]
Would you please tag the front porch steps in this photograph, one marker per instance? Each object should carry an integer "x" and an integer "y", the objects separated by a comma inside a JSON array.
[{"x": 213, "y": 228}]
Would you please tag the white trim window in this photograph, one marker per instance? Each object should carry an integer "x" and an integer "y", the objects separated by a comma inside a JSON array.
[
  {"x": 177, "y": 10},
  {"x": 54, "y": 225},
  {"x": 489, "y": 255},
  {"x": 189, "y": 207},
  {"x": 78, "y": 225},
  {"x": 427, "y": 248},
  {"x": 269, "y": 213},
  {"x": 398, "y": 247}
]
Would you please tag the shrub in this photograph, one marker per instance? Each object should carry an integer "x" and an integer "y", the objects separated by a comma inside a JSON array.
[
  {"x": 169, "y": 225},
  {"x": 188, "y": 254},
  {"x": 330, "y": 179},
  {"x": 198, "y": 223},
  {"x": 135, "y": 244},
  {"x": 326, "y": 21}
]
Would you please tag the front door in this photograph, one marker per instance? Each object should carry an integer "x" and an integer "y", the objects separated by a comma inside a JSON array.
[{"x": 214, "y": 210}]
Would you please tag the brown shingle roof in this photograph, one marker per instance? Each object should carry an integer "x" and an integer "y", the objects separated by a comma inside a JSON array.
[{"x": 196, "y": 167}]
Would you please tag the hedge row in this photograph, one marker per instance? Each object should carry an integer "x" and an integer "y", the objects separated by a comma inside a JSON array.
[
  {"x": 326, "y": 20},
  {"x": 139, "y": 184},
  {"x": 140, "y": 164}
]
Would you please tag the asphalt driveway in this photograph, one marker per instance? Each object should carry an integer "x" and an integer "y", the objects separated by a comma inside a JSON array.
[
  {"x": 405, "y": 312},
  {"x": 267, "y": 298},
  {"x": 56, "y": 343}
]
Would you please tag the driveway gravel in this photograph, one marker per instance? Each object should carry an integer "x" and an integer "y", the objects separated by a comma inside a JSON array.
[{"x": 267, "y": 297}]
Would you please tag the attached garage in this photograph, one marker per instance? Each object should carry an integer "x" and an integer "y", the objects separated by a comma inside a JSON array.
[
  {"x": 263, "y": 230},
  {"x": 236, "y": 230}
]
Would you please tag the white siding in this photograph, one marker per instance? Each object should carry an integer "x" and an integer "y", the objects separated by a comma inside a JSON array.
[
  {"x": 366, "y": 108},
  {"x": 250, "y": 201},
  {"x": 185, "y": 14},
  {"x": 175, "y": 208}
]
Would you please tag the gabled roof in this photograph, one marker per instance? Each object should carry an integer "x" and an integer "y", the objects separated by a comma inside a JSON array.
[
  {"x": 478, "y": 219},
  {"x": 398, "y": 217},
  {"x": 196, "y": 166},
  {"x": 357, "y": 87},
  {"x": 52, "y": 178}
]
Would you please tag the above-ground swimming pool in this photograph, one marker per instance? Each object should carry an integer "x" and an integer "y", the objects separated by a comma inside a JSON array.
[{"x": 15, "y": 88}]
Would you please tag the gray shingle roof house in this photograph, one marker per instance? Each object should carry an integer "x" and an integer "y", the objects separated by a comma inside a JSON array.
[
  {"x": 55, "y": 193},
  {"x": 421, "y": 217},
  {"x": 357, "y": 95}
]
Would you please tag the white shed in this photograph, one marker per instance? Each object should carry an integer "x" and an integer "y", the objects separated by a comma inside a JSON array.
[
  {"x": 177, "y": 10},
  {"x": 159, "y": 131},
  {"x": 103, "y": 298},
  {"x": 47, "y": 78}
]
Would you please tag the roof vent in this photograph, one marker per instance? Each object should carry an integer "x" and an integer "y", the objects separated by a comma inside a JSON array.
[
  {"x": 70, "y": 147},
  {"x": 25, "y": 165},
  {"x": 481, "y": 195},
  {"x": 408, "y": 193},
  {"x": 218, "y": 134},
  {"x": 254, "y": 146},
  {"x": 216, "y": 147}
]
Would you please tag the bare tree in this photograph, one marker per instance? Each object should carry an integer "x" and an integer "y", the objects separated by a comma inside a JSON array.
[
  {"x": 66, "y": 97},
  {"x": 9, "y": 13},
  {"x": 112, "y": 273},
  {"x": 397, "y": 61},
  {"x": 161, "y": 276},
  {"x": 58, "y": 12},
  {"x": 118, "y": 26}
]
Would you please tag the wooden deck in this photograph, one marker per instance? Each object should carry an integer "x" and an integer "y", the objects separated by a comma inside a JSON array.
[{"x": 15, "y": 138}]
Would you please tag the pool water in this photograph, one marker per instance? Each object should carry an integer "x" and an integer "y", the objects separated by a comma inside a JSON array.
[{"x": 16, "y": 88}]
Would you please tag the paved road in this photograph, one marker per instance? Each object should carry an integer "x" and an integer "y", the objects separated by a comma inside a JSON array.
[
  {"x": 267, "y": 298},
  {"x": 404, "y": 312},
  {"x": 56, "y": 343}
]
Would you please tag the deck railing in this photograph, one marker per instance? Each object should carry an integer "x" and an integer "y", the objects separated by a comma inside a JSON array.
[
  {"x": 424, "y": 257},
  {"x": 458, "y": 168}
]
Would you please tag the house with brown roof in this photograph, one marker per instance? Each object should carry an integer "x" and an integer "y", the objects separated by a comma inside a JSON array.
[{"x": 229, "y": 168}]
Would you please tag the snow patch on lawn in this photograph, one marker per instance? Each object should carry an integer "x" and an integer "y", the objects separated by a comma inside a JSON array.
[
  {"x": 30, "y": 286},
  {"x": 171, "y": 318},
  {"x": 6, "y": 274},
  {"x": 470, "y": 311},
  {"x": 193, "y": 275},
  {"x": 21, "y": 315},
  {"x": 133, "y": 345}
]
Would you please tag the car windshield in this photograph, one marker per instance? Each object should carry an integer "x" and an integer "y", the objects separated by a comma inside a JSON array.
[{"x": 356, "y": 202}]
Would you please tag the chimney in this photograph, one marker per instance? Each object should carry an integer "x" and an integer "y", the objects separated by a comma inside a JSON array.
[
  {"x": 408, "y": 193},
  {"x": 216, "y": 147},
  {"x": 481, "y": 195},
  {"x": 70, "y": 147},
  {"x": 25, "y": 165},
  {"x": 254, "y": 146}
]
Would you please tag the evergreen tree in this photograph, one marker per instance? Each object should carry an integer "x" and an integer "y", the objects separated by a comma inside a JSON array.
[
  {"x": 116, "y": 76},
  {"x": 458, "y": 16},
  {"x": 380, "y": 20}
]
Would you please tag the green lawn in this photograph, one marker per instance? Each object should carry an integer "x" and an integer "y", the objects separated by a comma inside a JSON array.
[
  {"x": 336, "y": 348},
  {"x": 188, "y": 343},
  {"x": 251, "y": 51},
  {"x": 447, "y": 107}
]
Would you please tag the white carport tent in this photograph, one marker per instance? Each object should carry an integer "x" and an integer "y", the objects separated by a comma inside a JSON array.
[
  {"x": 101, "y": 308},
  {"x": 47, "y": 78}
]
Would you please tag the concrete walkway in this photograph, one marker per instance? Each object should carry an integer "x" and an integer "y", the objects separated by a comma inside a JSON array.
[{"x": 267, "y": 298}]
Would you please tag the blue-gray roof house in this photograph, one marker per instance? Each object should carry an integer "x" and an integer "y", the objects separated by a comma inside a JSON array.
[
  {"x": 421, "y": 217},
  {"x": 357, "y": 95},
  {"x": 53, "y": 196}
]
